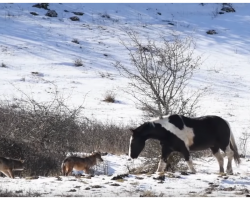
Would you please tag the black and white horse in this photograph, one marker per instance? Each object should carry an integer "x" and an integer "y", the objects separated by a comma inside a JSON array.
[{"x": 184, "y": 134}]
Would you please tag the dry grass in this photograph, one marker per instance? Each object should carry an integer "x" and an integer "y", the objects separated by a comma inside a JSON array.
[
  {"x": 109, "y": 97},
  {"x": 78, "y": 62}
]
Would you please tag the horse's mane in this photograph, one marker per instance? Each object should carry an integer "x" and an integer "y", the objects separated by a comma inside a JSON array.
[{"x": 159, "y": 118}]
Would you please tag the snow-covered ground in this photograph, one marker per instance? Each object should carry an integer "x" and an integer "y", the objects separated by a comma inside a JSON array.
[
  {"x": 44, "y": 45},
  {"x": 206, "y": 182}
]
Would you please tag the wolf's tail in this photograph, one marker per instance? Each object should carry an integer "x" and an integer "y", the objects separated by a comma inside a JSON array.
[{"x": 63, "y": 168}]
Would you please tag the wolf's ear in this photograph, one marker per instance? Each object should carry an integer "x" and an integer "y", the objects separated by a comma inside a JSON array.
[{"x": 22, "y": 161}]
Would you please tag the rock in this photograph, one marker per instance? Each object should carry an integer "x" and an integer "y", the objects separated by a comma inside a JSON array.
[
  {"x": 51, "y": 13},
  {"x": 42, "y": 5},
  {"x": 75, "y": 18},
  {"x": 228, "y": 9},
  {"x": 184, "y": 173},
  {"x": 96, "y": 186},
  {"x": 121, "y": 176},
  {"x": 161, "y": 178},
  {"x": 114, "y": 184},
  {"x": 78, "y": 13},
  {"x": 33, "y": 13},
  {"x": 211, "y": 32},
  {"x": 72, "y": 190}
]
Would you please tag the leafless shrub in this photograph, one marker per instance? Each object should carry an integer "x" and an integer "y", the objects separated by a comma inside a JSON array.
[
  {"x": 18, "y": 193},
  {"x": 3, "y": 65},
  {"x": 148, "y": 193},
  {"x": 161, "y": 73},
  {"x": 76, "y": 41},
  {"x": 215, "y": 13},
  {"x": 78, "y": 62},
  {"x": 109, "y": 96},
  {"x": 243, "y": 143},
  {"x": 105, "y": 15},
  {"x": 43, "y": 133},
  {"x": 106, "y": 137},
  {"x": 106, "y": 75}
]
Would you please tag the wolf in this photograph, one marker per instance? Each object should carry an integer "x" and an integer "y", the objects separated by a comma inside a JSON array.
[
  {"x": 79, "y": 163},
  {"x": 8, "y": 165}
]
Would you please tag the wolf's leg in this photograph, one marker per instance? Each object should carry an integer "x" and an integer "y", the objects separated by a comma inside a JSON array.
[
  {"x": 86, "y": 170},
  {"x": 6, "y": 173},
  {"x": 67, "y": 171},
  {"x": 70, "y": 169},
  {"x": 11, "y": 175}
]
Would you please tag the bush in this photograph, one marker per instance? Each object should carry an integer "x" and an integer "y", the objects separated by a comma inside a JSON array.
[
  {"x": 76, "y": 41},
  {"x": 109, "y": 97},
  {"x": 74, "y": 18},
  {"x": 78, "y": 62},
  {"x": 3, "y": 65},
  {"x": 44, "y": 133}
]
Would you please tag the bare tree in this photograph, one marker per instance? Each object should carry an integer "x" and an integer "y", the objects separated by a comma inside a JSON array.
[
  {"x": 243, "y": 143},
  {"x": 160, "y": 73}
]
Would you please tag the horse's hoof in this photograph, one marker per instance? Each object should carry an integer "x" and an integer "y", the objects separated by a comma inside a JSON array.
[{"x": 230, "y": 172}]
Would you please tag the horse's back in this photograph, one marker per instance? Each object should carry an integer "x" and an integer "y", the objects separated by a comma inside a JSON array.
[
  {"x": 208, "y": 131},
  {"x": 210, "y": 124}
]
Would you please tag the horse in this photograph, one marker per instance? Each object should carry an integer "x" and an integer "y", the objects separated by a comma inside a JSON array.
[
  {"x": 185, "y": 134},
  {"x": 79, "y": 163}
]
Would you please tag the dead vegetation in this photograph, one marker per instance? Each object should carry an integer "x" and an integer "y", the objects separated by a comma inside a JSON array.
[{"x": 43, "y": 133}]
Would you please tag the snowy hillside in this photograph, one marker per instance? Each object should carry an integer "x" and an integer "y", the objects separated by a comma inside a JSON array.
[
  {"x": 37, "y": 54},
  {"x": 44, "y": 44}
]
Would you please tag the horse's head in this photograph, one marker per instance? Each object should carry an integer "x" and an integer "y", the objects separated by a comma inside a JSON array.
[{"x": 138, "y": 138}]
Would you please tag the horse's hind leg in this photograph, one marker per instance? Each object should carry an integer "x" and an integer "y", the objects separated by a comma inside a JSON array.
[
  {"x": 219, "y": 158},
  {"x": 230, "y": 155}
]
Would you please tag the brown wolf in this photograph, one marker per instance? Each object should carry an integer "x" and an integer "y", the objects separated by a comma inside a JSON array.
[
  {"x": 79, "y": 163},
  {"x": 8, "y": 165}
]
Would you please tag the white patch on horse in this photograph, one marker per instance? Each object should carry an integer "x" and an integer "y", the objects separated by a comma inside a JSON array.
[
  {"x": 186, "y": 135},
  {"x": 161, "y": 166},
  {"x": 129, "y": 151}
]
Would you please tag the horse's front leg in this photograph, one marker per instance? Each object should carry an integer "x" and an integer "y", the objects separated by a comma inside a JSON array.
[
  {"x": 186, "y": 155},
  {"x": 165, "y": 152}
]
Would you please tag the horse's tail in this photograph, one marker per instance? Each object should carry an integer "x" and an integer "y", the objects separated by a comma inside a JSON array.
[{"x": 233, "y": 146}]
